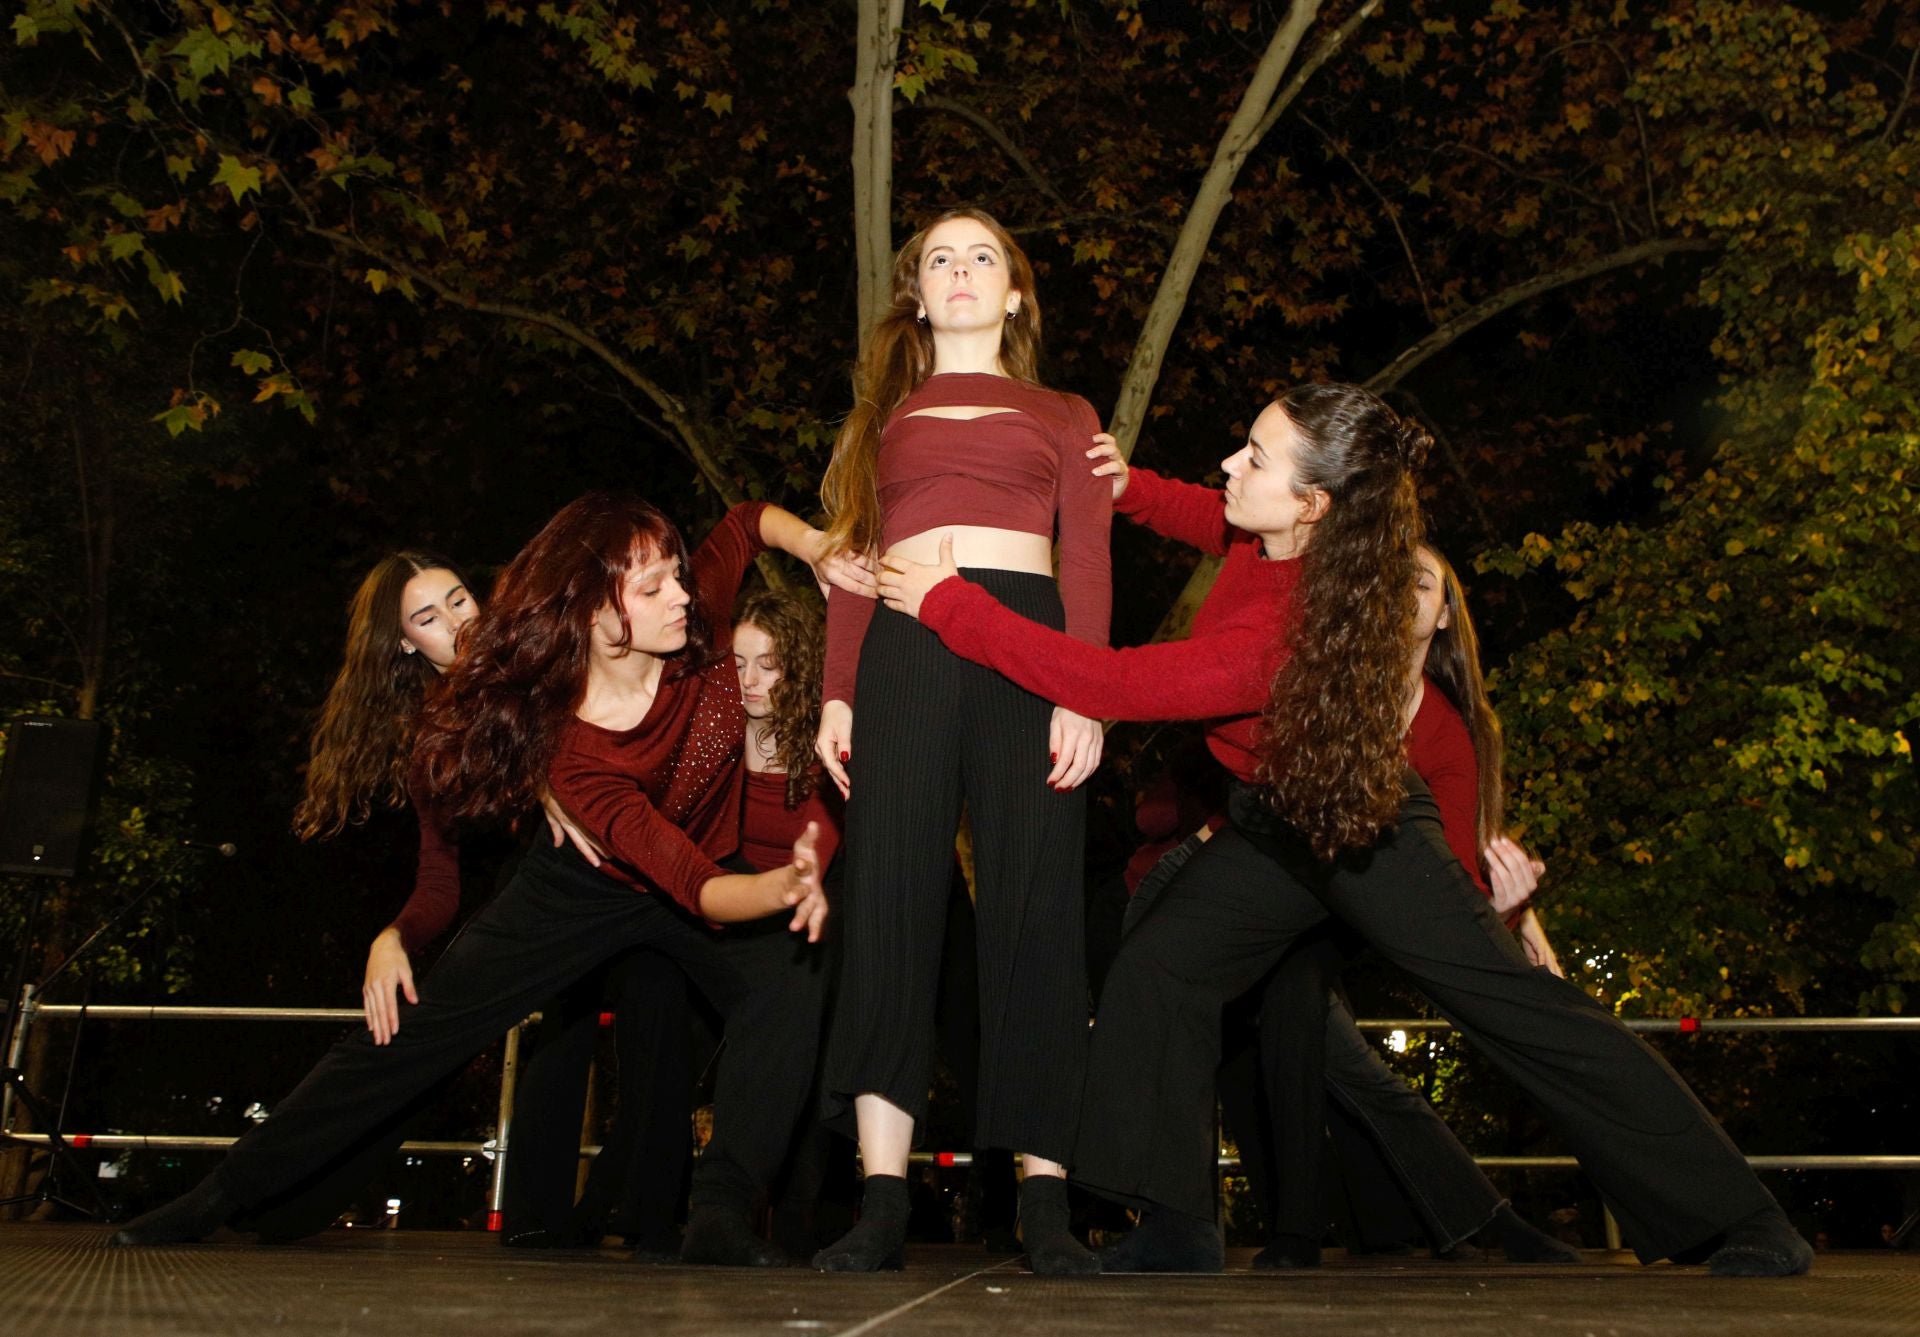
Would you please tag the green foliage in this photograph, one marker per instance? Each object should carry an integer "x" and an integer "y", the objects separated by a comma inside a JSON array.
[{"x": 1715, "y": 754}]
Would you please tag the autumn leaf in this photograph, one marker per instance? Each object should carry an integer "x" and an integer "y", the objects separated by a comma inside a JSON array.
[{"x": 237, "y": 177}]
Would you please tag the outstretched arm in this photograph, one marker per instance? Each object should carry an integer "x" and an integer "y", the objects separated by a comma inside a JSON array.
[{"x": 1223, "y": 674}]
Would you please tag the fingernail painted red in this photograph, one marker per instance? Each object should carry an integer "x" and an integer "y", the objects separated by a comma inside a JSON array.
[{"x": 846, "y": 756}]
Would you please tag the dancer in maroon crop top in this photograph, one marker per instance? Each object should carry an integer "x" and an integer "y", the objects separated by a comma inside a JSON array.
[
  {"x": 953, "y": 441},
  {"x": 1300, "y": 655}
]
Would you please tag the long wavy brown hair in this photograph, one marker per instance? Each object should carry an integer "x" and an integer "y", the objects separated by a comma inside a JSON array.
[
  {"x": 488, "y": 737},
  {"x": 898, "y": 357},
  {"x": 1331, "y": 754},
  {"x": 1453, "y": 662},
  {"x": 797, "y": 635},
  {"x": 357, "y": 757}
]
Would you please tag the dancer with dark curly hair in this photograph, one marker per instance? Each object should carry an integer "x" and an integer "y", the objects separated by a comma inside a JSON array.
[
  {"x": 596, "y": 673},
  {"x": 980, "y": 456},
  {"x": 1299, "y": 657}
]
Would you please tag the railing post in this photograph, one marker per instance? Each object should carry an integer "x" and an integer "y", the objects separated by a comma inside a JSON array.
[
  {"x": 497, "y": 1194},
  {"x": 16, "y": 1054}
]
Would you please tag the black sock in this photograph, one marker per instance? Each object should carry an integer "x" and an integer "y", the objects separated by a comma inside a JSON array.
[
  {"x": 879, "y": 1241},
  {"x": 193, "y": 1215},
  {"x": 1763, "y": 1245},
  {"x": 1045, "y": 1230},
  {"x": 1167, "y": 1241},
  {"x": 1524, "y": 1243}
]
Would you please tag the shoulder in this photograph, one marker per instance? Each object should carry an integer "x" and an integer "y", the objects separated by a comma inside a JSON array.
[{"x": 1437, "y": 729}]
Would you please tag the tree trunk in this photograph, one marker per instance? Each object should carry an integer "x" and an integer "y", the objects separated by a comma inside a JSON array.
[
  {"x": 876, "y": 52},
  {"x": 1260, "y": 106}
]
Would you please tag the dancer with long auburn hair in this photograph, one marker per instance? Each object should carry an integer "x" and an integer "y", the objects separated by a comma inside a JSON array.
[
  {"x": 954, "y": 441},
  {"x": 1299, "y": 656},
  {"x": 597, "y": 673},
  {"x": 1309, "y": 1045}
]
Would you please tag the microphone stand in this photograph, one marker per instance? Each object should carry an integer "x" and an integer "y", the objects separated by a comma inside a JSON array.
[{"x": 13, "y": 1077}]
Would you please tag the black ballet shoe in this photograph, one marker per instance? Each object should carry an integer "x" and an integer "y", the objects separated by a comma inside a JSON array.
[
  {"x": 720, "y": 1237},
  {"x": 192, "y": 1216},
  {"x": 1286, "y": 1252},
  {"x": 1052, "y": 1251},
  {"x": 657, "y": 1248},
  {"x": 1763, "y": 1245},
  {"x": 1167, "y": 1241},
  {"x": 1000, "y": 1239},
  {"x": 878, "y": 1242},
  {"x": 1522, "y": 1242}
]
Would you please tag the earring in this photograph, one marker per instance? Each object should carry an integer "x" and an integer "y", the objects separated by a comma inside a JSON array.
[
  {"x": 1012, "y": 312},
  {"x": 921, "y": 318}
]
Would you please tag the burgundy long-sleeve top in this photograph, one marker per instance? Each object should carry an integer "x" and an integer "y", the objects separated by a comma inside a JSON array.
[
  {"x": 768, "y": 827},
  {"x": 1023, "y": 468},
  {"x": 663, "y": 798},
  {"x": 1223, "y": 672}
]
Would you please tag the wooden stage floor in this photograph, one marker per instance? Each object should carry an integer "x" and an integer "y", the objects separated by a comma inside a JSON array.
[{"x": 63, "y": 1280}]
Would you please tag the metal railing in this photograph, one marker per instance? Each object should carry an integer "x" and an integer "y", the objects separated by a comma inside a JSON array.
[{"x": 497, "y": 1148}]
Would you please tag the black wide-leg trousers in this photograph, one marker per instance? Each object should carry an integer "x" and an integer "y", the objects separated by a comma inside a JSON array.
[
  {"x": 1670, "y": 1174},
  {"x": 931, "y": 732},
  {"x": 554, "y": 922},
  {"x": 635, "y": 1182}
]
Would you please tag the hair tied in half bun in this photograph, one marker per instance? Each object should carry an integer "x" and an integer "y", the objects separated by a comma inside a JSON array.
[{"x": 1413, "y": 442}]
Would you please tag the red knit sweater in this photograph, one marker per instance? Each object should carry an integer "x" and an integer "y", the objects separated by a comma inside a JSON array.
[
  {"x": 663, "y": 798},
  {"x": 768, "y": 827},
  {"x": 1221, "y": 672},
  {"x": 1023, "y": 469}
]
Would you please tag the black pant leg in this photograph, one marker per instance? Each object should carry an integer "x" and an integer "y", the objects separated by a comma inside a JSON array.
[
  {"x": 1029, "y": 843},
  {"x": 1453, "y": 1198},
  {"x": 549, "y": 1106},
  {"x": 550, "y": 925},
  {"x": 1671, "y": 1175},
  {"x": 635, "y": 1183},
  {"x": 1293, "y": 1061},
  {"x": 767, "y": 1061},
  {"x": 900, "y": 823},
  {"x": 1146, "y": 1133}
]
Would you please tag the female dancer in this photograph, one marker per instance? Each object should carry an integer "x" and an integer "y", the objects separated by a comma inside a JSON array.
[
  {"x": 592, "y": 673},
  {"x": 638, "y": 1177},
  {"x": 1319, "y": 528},
  {"x": 953, "y": 441},
  {"x": 402, "y": 632},
  {"x": 1309, "y": 1045}
]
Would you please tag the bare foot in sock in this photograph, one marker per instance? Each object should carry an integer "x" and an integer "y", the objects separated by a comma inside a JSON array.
[{"x": 878, "y": 1242}]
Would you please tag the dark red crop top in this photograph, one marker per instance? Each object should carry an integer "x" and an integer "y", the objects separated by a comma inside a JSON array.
[{"x": 1024, "y": 469}]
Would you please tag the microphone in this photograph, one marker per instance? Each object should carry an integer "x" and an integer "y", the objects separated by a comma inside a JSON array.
[{"x": 226, "y": 849}]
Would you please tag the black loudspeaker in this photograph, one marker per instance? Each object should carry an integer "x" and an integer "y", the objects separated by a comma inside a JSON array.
[{"x": 48, "y": 787}]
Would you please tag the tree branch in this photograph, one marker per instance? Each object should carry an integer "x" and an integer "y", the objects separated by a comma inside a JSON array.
[
  {"x": 1334, "y": 42},
  {"x": 1474, "y": 316},
  {"x": 1180, "y": 616},
  {"x": 986, "y": 125},
  {"x": 1393, "y": 214},
  {"x": 689, "y": 437},
  {"x": 1906, "y": 96},
  {"x": 1260, "y": 106}
]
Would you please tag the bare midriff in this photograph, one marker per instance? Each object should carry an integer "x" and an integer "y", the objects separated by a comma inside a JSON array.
[{"x": 979, "y": 546}]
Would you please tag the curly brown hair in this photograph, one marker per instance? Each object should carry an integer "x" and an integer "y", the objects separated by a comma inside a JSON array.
[
  {"x": 899, "y": 356},
  {"x": 358, "y": 755},
  {"x": 488, "y": 737},
  {"x": 1331, "y": 754},
  {"x": 797, "y": 634}
]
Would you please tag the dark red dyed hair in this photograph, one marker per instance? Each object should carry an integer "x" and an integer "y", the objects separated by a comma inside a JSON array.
[{"x": 488, "y": 737}]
